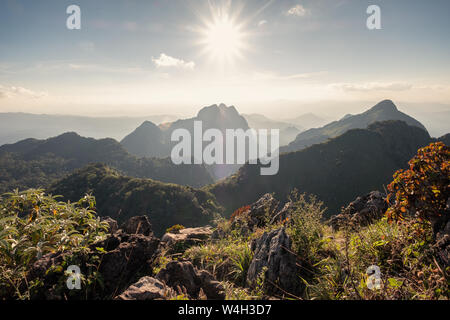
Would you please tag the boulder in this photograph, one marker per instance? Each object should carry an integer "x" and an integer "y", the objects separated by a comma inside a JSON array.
[
  {"x": 183, "y": 276},
  {"x": 147, "y": 288},
  {"x": 185, "y": 238},
  {"x": 272, "y": 255},
  {"x": 361, "y": 212},
  {"x": 138, "y": 225},
  {"x": 127, "y": 254}
]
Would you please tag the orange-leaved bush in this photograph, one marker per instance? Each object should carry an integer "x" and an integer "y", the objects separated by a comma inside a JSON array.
[
  {"x": 239, "y": 212},
  {"x": 423, "y": 189}
]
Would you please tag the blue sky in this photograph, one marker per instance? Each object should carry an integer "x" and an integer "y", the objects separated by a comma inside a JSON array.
[{"x": 152, "y": 56}]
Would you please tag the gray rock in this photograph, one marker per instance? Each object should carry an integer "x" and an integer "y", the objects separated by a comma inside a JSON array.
[
  {"x": 259, "y": 214},
  {"x": 283, "y": 214},
  {"x": 185, "y": 238},
  {"x": 183, "y": 275},
  {"x": 147, "y": 288},
  {"x": 138, "y": 225},
  {"x": 363, "y": 211},
  {"x": 126, "y": 256},
  {"x": 272, "y": 253}
]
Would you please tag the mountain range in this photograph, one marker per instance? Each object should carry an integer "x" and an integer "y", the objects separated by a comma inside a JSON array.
[
  {"x": 155, "y": 141},
  {"x": 33, "y": 163},
  {"x": 337, "y": 162},
  {"x": 384, "y": 110}
]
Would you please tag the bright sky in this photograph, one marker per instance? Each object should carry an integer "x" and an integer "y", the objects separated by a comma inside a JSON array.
[{"x": 176, "y": 56}]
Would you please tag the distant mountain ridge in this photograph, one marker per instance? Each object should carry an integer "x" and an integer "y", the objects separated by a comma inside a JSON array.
[
  {"x": 337, "y": 171},
  {"x": 33, "y": 163},
  {"x": 383, "y": 111},
  {"x": 308, "y": 120},
  {"x": 16, "y": 126},
  {"x": 288, "y": 131}
]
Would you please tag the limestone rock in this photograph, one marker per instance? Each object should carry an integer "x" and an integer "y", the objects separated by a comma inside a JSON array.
[
  {"x": 138, "y": 225},
  {"x": 272, "y": 254},
  {"x": 183, "y": 275},
  {"x": 147, "y": 288}
]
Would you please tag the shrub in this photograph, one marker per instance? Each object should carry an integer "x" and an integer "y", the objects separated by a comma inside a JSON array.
[
  {"x": 305, "y": 226},
  {"x": 239, "y": 212},
  {"x": 423, "y": 189},
  {"x": 33, "y": 224},
  {"x": 175, "y": 229}
]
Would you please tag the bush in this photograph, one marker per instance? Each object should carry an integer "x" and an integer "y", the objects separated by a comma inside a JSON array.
[
  {"x": 33, "y": 224},
  {"x": 423, "y": 189},
  {"x": 305, "y": 227},
  {"x": 175, "y": 229}
]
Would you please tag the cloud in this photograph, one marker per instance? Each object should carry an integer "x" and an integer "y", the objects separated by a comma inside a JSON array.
[
  {"x": 373, "y": 86},
  {"x": 13, "y": 92},
  {"x": 261, "y": 23},
  {"x": 168, "y": 61},
  {"x": 298, "y": 11},
  {"x": 296, "y": 76}
]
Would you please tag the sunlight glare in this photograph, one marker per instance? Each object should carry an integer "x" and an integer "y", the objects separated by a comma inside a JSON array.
[{"x": 223, "y": 39}]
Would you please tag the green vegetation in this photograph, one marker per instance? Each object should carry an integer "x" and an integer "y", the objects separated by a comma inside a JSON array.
[
  {"x": 175, "y": 229},
  {"x": 122, "y": 197},
  {"x": 32, "y": 225}
]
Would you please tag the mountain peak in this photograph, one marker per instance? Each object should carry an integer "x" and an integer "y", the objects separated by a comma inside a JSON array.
[
  {"x": 215, "y": 111},
  {"x": 147, "y": 124},
  {"x": 385, "y": 105}
]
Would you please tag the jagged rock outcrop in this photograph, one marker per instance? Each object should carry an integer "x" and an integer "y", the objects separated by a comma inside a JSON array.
[
  {"x": 272, "y": 255},
  {"x": 184, "y": 277},
  {"x": 183, "y": 239},
  {"x": 126, "y": 256},
  {"x": 138, "y": 225},
  {"x": 147, "y": 288},
  {"x": 258, "y": 214},
  {"x": 283, "y": 214},
  {"x": 363, "y": 211}
]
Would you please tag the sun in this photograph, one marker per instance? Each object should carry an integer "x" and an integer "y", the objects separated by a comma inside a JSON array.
[{"x": 223, "y": 39}]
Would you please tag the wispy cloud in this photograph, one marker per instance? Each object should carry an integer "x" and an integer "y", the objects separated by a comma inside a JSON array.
[
  {"x": 168, "y": 61},
  {"x": 296, "y": 76},
  {"x": 373, "y": 86},
  {"x": 297, "y": 11},
  {"x": 261, "y": 23},
  {"x": 14, "y": 92}
]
